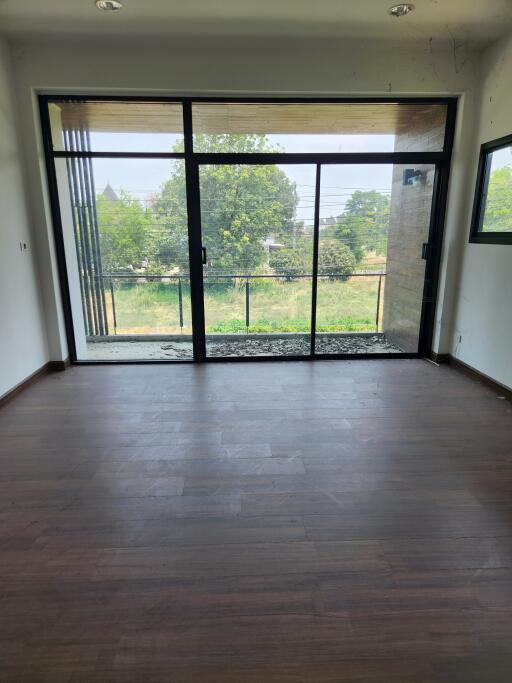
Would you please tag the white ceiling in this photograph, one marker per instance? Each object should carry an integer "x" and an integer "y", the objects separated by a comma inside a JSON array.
[{"x": 477, "y": 21}]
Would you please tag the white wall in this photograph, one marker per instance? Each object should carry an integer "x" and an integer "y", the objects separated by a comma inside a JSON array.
[
  {"x": 196, "y": 66},
  {"x": 482, "y": 329},
  {"x": 23, "y": 347}
]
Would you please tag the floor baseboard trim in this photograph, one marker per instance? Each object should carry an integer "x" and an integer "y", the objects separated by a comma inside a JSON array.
[
  {"x": 472, "y": 372},
  {"x": 58, "y": 365},
  {"x": 51, "y": 366},
  {"x": 439, "y": 357}
]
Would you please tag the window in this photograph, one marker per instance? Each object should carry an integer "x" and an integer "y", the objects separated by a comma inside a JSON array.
[
  {"x": 120, "y": 176},
  {"x": 310, "y": 127},
  {"x": 202, "y": 229},
  {"x": 116, "y": 126},
  {"x": 492, "y": 210}
]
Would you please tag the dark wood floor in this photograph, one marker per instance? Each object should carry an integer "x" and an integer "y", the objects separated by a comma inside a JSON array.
[{"x": 328, "y": 521}]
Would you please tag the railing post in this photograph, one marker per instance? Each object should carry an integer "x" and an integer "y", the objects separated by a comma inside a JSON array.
[
  {"x": 247, "y": 305},
  {"x": 113, "y": 305},
  {"x": 180, "y": 303},
  {"x": 378, "y": 305}
]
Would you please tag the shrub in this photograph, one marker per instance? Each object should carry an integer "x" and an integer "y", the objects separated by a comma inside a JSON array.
[
  {"x": 336, "y": 259},
  {"x": 287, "y": 262}
]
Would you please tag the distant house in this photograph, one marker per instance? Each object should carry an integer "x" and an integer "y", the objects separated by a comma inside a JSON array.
[{"x": 270, "y": 244}]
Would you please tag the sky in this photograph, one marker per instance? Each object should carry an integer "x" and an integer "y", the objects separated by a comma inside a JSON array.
[
  {"x": 502, "y": 158},
  {"x": 144, "y": 177}
]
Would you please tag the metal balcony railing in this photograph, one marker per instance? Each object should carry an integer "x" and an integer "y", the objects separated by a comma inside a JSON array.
[{"x": 109, "y": 279}]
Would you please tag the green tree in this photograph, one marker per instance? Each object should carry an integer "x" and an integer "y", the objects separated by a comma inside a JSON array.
[
  {"x": 240, "y": 205},
  {"x": 335, "y": 259},
  {"x": 128, "y": 233},
  {"x": 363, "y": 225},
  {"x": 349, "y": 231},
  {"x": 170, "y": 209},
  {"x": 373, "y": 208},
  {"x": 498, "y": 205}
]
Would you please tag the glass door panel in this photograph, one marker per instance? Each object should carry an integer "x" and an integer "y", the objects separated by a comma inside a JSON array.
[
  {"x": 125, "y": 233},
  {"x": 257, "y": 237},
  {"x": 374, "y": 220}
]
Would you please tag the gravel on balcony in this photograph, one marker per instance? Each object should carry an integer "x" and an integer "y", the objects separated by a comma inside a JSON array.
[{"x": 238, "y": 345}]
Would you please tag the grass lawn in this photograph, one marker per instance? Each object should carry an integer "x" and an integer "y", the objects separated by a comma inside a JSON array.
[{"x": 275, "y": 306}]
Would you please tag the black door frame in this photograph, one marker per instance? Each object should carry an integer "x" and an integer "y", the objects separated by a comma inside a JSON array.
[{"x": 193, "y": 160}]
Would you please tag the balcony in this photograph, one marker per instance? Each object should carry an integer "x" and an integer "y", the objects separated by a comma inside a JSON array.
[{"x": 147, "y": 316}]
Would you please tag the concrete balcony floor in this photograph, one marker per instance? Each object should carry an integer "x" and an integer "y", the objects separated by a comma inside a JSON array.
[{"x": 233, "y": 345}]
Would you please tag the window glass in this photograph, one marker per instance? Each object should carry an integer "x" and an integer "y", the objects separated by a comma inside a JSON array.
[
  {"x": 312, "y": 128},
  {"x": 497, "y": 206},
  {"x": 374, "y": 219},
  {"x": 116, "y": 126}
]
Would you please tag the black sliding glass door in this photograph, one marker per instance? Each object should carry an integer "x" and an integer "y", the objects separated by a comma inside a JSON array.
[
  {"x": 257, "y": 235},
  {"x": 202, "y": 230},
  {"x": 373, "y": 224}
]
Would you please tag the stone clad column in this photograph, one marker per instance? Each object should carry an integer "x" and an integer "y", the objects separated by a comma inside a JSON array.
[{"x": 409, "y": 224}]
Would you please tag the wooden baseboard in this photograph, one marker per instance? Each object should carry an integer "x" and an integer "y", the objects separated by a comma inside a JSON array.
[
  {"x": 439, "y": 357},
  {"x": 51, "y": 366},
  {"x": 58, "y": 365},
  {"x": 470, "y": 371}
]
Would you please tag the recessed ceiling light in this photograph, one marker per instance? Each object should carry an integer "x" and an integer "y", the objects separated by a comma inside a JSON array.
[
  {"x": 109, "y": 5},
  {"x": 401, "y": 10}
]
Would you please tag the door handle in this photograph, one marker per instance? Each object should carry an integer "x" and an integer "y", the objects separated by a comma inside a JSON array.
[
  {"x": 426, "y": 251},
  {"x": 204, "y": 255}
]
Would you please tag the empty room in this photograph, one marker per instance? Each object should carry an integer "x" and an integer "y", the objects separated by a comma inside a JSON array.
[{"x": 255, "y": 341}]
